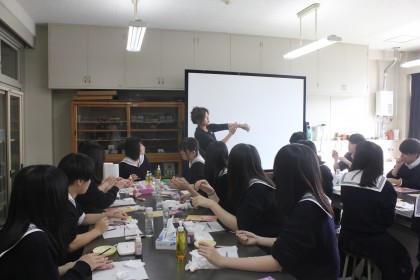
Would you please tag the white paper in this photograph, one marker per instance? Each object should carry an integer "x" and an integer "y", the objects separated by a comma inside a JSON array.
[
  {"x": 132, "y": 269},
  {"x": 200, "y": 262},
  {"x": 212, "y": 227},
  {"x": 111, "y": 169},
  {"x": 125, "y": 201},
  {"x": 120, "y": 231}
]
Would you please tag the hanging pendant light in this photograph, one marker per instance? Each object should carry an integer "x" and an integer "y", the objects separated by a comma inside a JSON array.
[{"x": 136, "y": 31}]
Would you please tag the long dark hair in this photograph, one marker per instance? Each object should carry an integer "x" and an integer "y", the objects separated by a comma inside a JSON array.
[
  {"x": 97, "y": 153},
  {"x": 296, "y": 172},
  {"x": 216, "y": 160},
  {"x": 244, "y": 164},
  {"x": 368, "y": 157},
  {"x": 39, "y": 196}
]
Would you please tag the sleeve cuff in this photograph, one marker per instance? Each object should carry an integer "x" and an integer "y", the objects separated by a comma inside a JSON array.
[{"x": 83, "y": 268}]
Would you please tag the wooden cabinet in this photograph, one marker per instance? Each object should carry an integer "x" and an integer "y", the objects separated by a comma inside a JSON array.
[
  {"x": 85, "y": 56},
  {"x": 212, "y": 51},
  {"x": 272, "y": 51},
  {"x": 245, "y": 54},
  {"x": 342, "y": 70},
  {"x": 157, "y": 124}
]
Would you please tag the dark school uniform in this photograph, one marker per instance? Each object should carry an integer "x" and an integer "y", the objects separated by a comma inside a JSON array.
[
  {"x": 95, "y": 200},
  {"x": 75, "y": 217},
  {"x": 195, "y": 171},
  {"x": 220, "y": 186},
  {"x": 327, "y": 179},
  {"x": 307, "y": 246},
  {"x": 127, "y": 167},
  {"x": 367, "y": 213},
  {"x": 343, "y": 165},
  {"x": 35, "y": 257},
  {"x": 410, "y": 177},
  {"x": 205, "y": 138}
]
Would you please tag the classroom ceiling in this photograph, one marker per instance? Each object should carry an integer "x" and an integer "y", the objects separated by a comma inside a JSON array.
[{"x": 368, "y": 22}]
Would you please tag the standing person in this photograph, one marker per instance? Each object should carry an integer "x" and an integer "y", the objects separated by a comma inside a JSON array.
[
  {"x": 135, "y": 163},
  {"x": 33, "y": 237},
  {"x": 406, "y": 171},
  {"x": 78, "y": 169},
  {"x": 204, "y": 132},
  {"x": 368, "y": 211},
  {"x": 306, "y": 247},
  {"x": 326, "y": 174},
  {"x": 343, "y": 163},
  {"x": 101, "y": 193},
  {"x": 251, "y": 204}
]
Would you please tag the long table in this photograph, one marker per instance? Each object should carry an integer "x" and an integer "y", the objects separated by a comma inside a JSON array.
[{"x": 162, "y": 264}]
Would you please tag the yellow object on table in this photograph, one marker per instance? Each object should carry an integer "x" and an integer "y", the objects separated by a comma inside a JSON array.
[{"x": 106, "y": 250}]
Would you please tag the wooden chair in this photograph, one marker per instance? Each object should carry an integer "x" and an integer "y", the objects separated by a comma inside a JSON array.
[{"x": 359, "y": 262}]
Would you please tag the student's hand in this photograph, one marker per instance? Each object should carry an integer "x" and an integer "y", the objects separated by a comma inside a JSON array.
[
  {"x": 204, "y": 186},
  {"x": 102, "y": 225},
  {"x": 247, "y": 238},
  {"x": 201, "y": 201},
  {"x": 184, "y": 197},
  {"x": 95, "y": 260},
  {"x": 344, "y": 160},
  {"x": 107, "y": 183},
  {"x": 117, "y": 214},
  {"x": 123, "y": 183},
  {"x": 335, "y": 155},
  {"x": 108, "y": 265},
  {"x": 399, "y": 162},
  {"x": 210, "y": 253},
  {"x": 178, "y": 183},
  {"x": 134, "y": 177}
]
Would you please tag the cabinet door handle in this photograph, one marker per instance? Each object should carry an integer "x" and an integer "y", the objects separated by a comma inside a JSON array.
[
  {"x": 85, "y": 79},
  {"x": 89, "y": 79},
  {"x": 163, "y": 81}
]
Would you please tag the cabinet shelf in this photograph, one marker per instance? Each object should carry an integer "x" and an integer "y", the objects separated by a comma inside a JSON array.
[{"x": 157, "y": 124}]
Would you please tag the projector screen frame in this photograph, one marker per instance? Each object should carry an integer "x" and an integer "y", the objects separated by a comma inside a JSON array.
[{"x": 239, "y": 118}]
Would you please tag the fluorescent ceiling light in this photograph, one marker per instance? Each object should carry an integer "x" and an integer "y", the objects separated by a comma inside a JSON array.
[
  {"x": 402, "y": 39},
  {"x": 411, "y": 63},
  {"x": 321, "y": 43},
  {"x": 136, "y": 31}
]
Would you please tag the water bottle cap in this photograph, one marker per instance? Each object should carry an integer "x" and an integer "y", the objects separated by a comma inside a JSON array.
[{"x": 149, "y": 210}]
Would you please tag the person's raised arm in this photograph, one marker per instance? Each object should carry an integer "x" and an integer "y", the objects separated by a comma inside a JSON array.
[
  {"x": 83, "y": 239},
  {"x": 205, "y": 187},
  {"x": 225, "y": 217},
  {"x": 249, "y": 238}
]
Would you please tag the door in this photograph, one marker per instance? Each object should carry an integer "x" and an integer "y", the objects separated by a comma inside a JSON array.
[
  {"x": 15, "y": 132},
  {"x": 3, "y": 157}
]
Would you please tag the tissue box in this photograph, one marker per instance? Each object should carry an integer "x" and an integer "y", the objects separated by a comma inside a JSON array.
[
  {"x": 145, "y": 189},
  {"x": 169, "y": 244}
]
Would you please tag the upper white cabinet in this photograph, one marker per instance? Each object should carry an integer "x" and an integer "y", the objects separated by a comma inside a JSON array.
[
  {"x": 143, "y": 69},
  {"x": 272, "y": 51},
  {"x": 342, "y": 69},
  {"x": 305, "y": 65},
  {"x": 86, "y": 57},
  {"x": 212, "y": 51},
  {"x": 245, "y": 54},
  {"x": 177, "y": 55}
]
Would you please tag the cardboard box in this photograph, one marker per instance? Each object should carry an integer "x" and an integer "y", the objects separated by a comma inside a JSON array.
[{"x": 163, "y": 244}]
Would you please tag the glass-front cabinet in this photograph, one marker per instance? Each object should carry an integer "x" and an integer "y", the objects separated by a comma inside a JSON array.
[
  {"x": 11, "y": 156},
  {"x": 157, "y": 124}
]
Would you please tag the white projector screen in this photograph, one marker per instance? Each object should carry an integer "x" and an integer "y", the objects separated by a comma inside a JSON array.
[{"x": 273, "y": 105}]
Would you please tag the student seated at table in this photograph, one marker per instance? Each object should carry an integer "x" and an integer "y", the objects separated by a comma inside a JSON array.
[
  {"x": 251, "y": 203},
  {"x": 135, "y": 163},
  {"x": 297, "y": 136},
  {"x": 189, "y": 149},
  {"x": 33, "y": 237},
  {"x": 101, "y": 193},
  {"x": 215, "y": 186},
  {"x": 368, "y": 211},
  {"x": 326, "y": 175},
  {"x": 79, "y": 168},
  {"x": 306, "y": 247},
  {"x": 344, "y": 162},
  {"x": 406, "y": 171}
]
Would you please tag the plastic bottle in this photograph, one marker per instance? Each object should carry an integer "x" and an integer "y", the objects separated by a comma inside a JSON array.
[
  {"x": 181, "y": 242},
  {"x": 190, "y": 237},
  {"x": 148, "y": 177},
  {"x": 337, "y": 177},
  {"x": 158, "y": 198},
  {"x": 165, "y": 213},
  {"x": 148, "y": 223},
  {"x": 158, "y": 175},
  {"x": 138, "y": 246},
  {"x": 308, "y": 132}
]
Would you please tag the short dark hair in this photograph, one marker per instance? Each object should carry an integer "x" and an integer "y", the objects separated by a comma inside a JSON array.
[
  {"x": 132, "y": 148},
  {"x": 410, "y": 146},
  {"x": 189, "y": 144},
  {"x": 356, "y": 138},
  {"x": 368, "y": 157},
  {"x": 297, "y": 136},
  {"x": 97, "y": 153},
  {"x": 198, "y": 114},
  {"x": 77, "y": 166},
  {"x": 309, "y": 144}
]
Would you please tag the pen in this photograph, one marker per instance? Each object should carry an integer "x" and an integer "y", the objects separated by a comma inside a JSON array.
[
  {"x": 105, "y": 251},
  {"x": 111, "y": 229},
  {"x": 208, "y": 225}
]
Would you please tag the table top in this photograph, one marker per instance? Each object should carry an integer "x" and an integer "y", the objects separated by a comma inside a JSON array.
[{"x": 162, "y": 264}]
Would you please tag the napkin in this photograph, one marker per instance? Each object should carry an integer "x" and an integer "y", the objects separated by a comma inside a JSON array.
[
  {"x": 171, "y": 230},
  {"x": 199, "y": 262}
]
